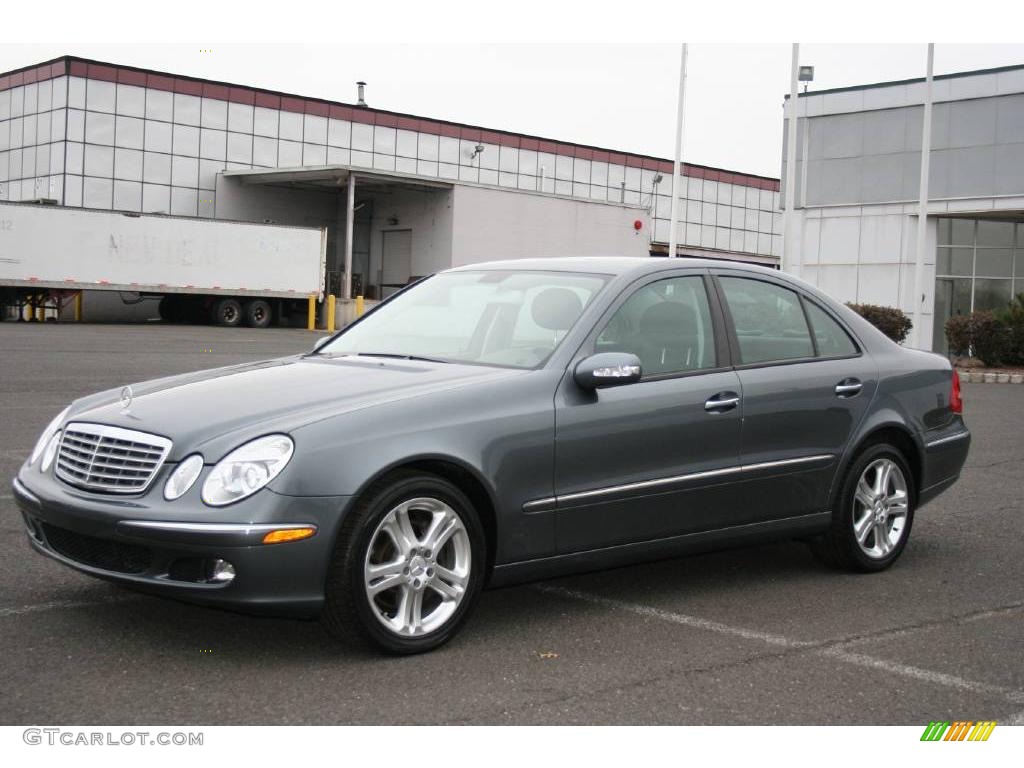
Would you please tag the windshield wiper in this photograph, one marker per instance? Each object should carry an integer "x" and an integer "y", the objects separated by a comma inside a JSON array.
[{"x": 395, "y": 356}]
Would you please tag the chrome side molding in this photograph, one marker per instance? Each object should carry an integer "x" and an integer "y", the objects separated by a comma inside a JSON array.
[
  {"x": 548, "y": 503},
  {"x": 950, "y": 439}
]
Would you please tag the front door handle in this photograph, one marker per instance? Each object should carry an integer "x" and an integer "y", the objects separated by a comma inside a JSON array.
[
  {"x": 722, "y": 402},
  {"x": 849, "y": 388}
]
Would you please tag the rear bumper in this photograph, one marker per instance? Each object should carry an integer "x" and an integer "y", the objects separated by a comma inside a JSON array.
[
  {"x": 135, "y": 545},
  {"x": 945, "y": 453}
]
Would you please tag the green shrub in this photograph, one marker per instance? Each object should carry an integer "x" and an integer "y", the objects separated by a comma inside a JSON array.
[
  {"x": 891, "y": 321},
  {"x": 980, "y": 334},
  {"x": 1012, "y": 319}
]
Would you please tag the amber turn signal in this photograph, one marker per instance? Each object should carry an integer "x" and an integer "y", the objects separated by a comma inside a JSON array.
[{"x": 288, "y": 534}]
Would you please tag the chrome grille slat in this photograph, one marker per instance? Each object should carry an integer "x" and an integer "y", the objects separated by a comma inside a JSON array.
[{"x": 108, "y": 459}]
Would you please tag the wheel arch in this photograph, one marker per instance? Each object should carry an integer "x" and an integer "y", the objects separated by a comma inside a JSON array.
[
  {"x": 462, "y": 476},
  {"x": 894, "y": 433}
]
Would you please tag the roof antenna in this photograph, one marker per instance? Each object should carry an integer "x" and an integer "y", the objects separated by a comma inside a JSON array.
[{"x": 362, "y": 101}]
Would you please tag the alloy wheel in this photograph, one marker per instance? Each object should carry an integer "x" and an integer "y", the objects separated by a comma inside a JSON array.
[
  {"x": 881, "y": 504},
  {"x": 417, "y": 567}
]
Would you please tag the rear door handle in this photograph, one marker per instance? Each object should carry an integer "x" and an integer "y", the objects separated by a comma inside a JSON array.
[
  {"x": 723, "y": 401},
  {"x": 849, "y": 387}
]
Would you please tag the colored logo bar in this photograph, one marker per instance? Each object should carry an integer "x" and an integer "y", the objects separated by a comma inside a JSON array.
[{"x": 959, "y": 730}]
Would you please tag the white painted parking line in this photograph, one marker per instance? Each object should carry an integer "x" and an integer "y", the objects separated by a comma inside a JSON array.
[
  {"x": 59, "y": 605},
  {"x": 926, "y": 675},
  {"x": 6, "y": 497},
  {"x": 828, "y": 649},
  {"x": 675, "y": 618}
]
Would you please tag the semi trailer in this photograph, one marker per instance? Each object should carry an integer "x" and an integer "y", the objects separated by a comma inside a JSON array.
[{"x": 199, "y": 270}]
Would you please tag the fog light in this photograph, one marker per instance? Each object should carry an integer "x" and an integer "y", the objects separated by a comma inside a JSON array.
[
  {"x": 222, "y": 572},
  {"x": 288, "y": 534}
]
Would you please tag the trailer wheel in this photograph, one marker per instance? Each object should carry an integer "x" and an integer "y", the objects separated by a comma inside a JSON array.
[
  {"x": 258, "y": 313},
  {"x": 227, "y": 312}
]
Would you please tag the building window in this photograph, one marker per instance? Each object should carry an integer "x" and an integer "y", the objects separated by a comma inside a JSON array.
[{"x": 979, "y": 265}]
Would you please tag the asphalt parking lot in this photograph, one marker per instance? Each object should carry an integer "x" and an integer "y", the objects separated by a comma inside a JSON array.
[{"x": 762, "y": 635}]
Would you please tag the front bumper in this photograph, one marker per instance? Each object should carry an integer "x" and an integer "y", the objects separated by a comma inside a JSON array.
[{"x": 168, "y": 547}]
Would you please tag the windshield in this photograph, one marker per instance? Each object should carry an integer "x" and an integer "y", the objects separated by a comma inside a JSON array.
[{"x": 505, "y": 318}]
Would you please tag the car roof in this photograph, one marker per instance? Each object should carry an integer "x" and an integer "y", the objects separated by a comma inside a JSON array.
[{"x": 608, "y": 265}]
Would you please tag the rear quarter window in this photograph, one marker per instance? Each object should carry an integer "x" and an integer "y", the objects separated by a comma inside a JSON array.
[
  {"x": 832, "y": 340},
  {"x": 769, "y": 321}
]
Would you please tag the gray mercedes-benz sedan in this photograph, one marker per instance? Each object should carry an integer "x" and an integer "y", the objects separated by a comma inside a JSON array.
[{"x": 500, "y": 423}]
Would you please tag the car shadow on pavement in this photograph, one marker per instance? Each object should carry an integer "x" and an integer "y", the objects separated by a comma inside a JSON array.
[{"x": 157, "y": 622}]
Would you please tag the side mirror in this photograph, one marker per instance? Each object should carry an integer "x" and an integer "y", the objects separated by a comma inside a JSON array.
[
  {"x": 320, "y": 342},
  {"x": 608, "y": 369}
]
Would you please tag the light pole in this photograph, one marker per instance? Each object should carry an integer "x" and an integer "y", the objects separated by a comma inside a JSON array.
[
  {"x": 677, "y": 165},
  {"x": 791, "y": 248},
  {"x": 922, "y": 205}
]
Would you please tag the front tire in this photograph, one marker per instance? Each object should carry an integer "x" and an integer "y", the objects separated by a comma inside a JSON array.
[
  {"x": 408, "y": 566},
  {"x": 874, "y": 514}
]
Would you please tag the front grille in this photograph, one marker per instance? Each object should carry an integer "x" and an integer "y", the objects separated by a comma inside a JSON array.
[
  {"x": 98, "y": 553},
  {"x": 110, "y": 459}
]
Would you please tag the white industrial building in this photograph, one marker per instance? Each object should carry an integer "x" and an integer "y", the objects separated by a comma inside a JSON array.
[
  {"x": 426, "y": 193},
  {"x": 858, "y": 164}
]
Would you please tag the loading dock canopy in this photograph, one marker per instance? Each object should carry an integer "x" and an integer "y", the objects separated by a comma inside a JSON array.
[{"x": 326, "y": 177}]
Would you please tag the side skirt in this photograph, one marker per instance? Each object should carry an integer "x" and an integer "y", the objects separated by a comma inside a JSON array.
[{"x": 659, "y": 549}]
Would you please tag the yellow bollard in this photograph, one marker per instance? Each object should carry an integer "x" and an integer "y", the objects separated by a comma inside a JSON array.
[
  {"x": 78, "y": 307},
  {"x": 331, "y": 308},
  {"x": 359, "y": 306},
  {"x": 311, "y": 318},
  {"x": 40, "y": 309}
]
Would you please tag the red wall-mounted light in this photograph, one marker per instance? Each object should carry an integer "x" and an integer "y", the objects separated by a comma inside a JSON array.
[{"x": 638, "y": 225}]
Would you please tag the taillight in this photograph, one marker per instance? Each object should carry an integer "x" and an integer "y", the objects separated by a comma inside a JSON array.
[{"x": 956, "y": 402}]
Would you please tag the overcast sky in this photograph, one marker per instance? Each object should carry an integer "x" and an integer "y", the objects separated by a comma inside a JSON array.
[{"x": 614, "y": 96}]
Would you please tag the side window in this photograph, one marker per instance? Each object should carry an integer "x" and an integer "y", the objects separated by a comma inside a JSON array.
[
  {"x": 770, "y": 323},
  {"x": 832, "y": 340},
  {"x": 667, "y": 324}
]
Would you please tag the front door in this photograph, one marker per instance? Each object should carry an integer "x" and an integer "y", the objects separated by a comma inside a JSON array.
[
  {"x": 806, "y": 386},
  {"x": 647, "y": 460}
]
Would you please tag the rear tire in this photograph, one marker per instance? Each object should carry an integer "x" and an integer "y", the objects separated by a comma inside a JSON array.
[
  {"x": 874, "y": 512},
  {"x": 258, "y": 313},
  {"x": 408, "y": 566},
  {"x": 227, "y": 312}
]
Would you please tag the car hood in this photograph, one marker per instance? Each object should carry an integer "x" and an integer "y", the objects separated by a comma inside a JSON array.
[{"x": 219, "y": 408}]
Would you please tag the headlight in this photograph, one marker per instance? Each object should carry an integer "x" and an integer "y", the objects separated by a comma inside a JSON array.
[
  {"x": 50, "y": 452},
  {"x": 247, "y": 469},
  {"x": 183, "y": 476},
  {"x": 44, "y": 438}
]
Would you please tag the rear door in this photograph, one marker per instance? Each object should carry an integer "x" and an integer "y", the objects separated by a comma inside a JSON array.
[
  {"x": 806, "y": 386},
  {"x": 648, "y": 460}
]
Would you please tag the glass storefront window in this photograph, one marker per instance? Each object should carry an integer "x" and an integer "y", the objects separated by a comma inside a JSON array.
[
  {"x": 955, "y": 261},
  {"x": 995, "y": 233},
  {"x": 993, "y": 262},
  {"x": 991, "y": 294},
  {"x": 956, "y": 232},
  {"x": 952, "y": 297},
  {"x": 979, "y": 265}
]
